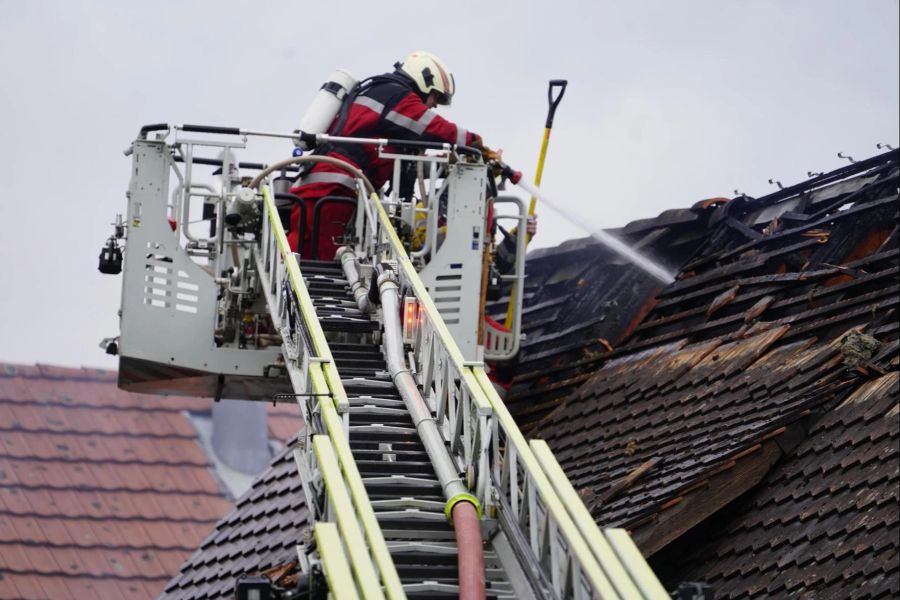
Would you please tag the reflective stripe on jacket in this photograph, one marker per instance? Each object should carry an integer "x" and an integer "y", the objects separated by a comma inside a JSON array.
[{"x": 389, "y": 108}]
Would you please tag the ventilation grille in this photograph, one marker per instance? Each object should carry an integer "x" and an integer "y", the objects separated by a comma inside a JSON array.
[
  {"x": 447, "y": 297},
  {"x": 166, "y": 289}
]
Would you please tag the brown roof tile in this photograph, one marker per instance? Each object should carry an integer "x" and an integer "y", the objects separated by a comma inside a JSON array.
[
  {"x": 826, "y": 520},
  {"x": 54, "y": 587},
  {"x": 8, "y": 588},
  {"x": 65, "y": 532},
  {"x": 27, "y": 586},
  {"x": 102, "y": 493},
  {"x": 709, "y": 386}
]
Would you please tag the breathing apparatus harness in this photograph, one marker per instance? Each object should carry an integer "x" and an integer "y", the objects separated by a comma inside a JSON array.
[{"x": 355, "y": 152}]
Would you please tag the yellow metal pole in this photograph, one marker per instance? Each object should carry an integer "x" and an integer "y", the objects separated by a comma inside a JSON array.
[
  {"x": 540, "y": 171},
  {"x": 554, "y": 102}
]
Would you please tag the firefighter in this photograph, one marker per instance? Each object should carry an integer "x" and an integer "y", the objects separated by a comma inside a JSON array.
[{"x": 397, "y": 105}]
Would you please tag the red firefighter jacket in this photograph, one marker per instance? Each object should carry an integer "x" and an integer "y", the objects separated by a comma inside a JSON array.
[{"x": 390, "y": 107}]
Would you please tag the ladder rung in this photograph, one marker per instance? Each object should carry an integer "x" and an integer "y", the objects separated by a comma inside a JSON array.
[
  {"x": 401, "y": 480},
  {"x": 412, "y": 516},
  {"x": 408, "y": 503}
]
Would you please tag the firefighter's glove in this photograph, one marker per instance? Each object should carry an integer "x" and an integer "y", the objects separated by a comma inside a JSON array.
[
  {"x": 487, "y": 153},
  {"x": 531, "y": 226},
  {"x": 492, "y": 155}
]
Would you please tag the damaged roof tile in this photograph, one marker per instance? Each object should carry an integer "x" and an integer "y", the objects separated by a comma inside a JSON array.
[{"x": 737, "y": 358}]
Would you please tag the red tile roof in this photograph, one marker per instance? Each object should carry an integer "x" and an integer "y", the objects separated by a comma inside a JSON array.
[{"x": 103, "y": 493}]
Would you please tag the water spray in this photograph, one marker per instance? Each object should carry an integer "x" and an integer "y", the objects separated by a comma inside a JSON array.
[{"x": 610, "y": 241}]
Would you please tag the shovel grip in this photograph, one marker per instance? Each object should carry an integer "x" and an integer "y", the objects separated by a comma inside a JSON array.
[{"x": 555, "y": 85}]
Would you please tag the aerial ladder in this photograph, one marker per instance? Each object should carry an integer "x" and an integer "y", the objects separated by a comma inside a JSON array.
[{"x": 417, "y": 479}]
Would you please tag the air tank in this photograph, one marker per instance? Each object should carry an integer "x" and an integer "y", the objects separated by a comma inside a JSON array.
[{"x": 325, "y": 106}]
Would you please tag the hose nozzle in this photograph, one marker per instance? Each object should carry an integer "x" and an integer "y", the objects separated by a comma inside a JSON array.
[{"x": 510, "y": 173}]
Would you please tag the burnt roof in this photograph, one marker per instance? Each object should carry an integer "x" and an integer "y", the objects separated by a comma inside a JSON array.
[
  {"x": 824, "y": 522},
  {"x": 582, "y": 299},
  {"x": 103, "y": 493},
  {"x": 721, "y": 377}
]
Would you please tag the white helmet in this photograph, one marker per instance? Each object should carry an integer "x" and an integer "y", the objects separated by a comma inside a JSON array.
[{"x": 430, "y": 74}]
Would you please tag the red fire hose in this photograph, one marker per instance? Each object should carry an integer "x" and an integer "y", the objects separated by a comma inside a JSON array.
[{"x": 470, "y": 551}]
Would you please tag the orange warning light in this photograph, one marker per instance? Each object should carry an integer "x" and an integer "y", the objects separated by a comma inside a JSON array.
[{"x": 410, "y": 309}]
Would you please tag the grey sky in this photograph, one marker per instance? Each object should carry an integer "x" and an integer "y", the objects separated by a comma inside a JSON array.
[{"x": 668, "y": 103}]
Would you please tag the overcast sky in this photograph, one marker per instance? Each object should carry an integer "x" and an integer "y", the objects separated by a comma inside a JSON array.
[{"x": 668, "y": 103}]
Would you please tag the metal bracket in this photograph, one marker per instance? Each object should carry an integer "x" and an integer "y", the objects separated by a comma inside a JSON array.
[{"x": 288, "y": 396}]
